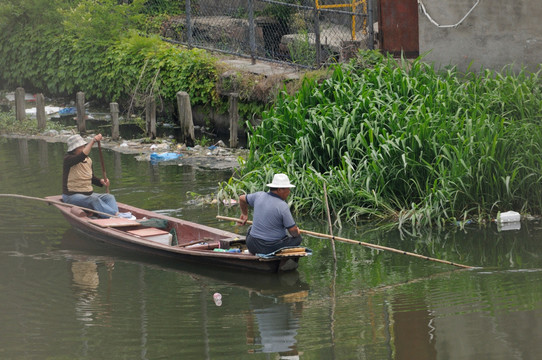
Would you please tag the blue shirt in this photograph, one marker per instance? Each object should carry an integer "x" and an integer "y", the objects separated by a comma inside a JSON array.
[{"x": 272, "y": 216}]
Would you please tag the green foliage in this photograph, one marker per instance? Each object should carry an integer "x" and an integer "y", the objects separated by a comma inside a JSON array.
[
  {"x": 30, "y": 12},
  {"x": 104, "y": 22},
  {"x": 279, "y": 12},
  {"x": 155, "y": 7},
  {"x": 203, "y": 141},
  {"x": 404, "y": 142},
  {"x": 301, "y": 51},
  {"x": 94, "y": 48},
  {"x": 10, "y": 125},
  {"x": 149, "y": 67}
]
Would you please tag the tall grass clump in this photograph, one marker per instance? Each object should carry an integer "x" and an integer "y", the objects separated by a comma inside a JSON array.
[{"x": 404, "y": 142}]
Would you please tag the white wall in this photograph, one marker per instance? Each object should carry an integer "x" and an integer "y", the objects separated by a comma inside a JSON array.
[{"x": 496, "y": 33}]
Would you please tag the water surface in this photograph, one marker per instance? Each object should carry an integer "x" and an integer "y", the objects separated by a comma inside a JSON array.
[{"x": 65, "y": 296}]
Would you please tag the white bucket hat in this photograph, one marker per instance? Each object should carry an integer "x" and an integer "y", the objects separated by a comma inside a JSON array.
[
  {"x": 75, "y": 141},
  {"x": 280, "y": 181}
]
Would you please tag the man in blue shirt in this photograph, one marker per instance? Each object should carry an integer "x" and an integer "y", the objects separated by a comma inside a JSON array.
[{"x": 273, "y": 226}]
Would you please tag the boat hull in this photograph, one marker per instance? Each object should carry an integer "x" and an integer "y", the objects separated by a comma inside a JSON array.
[{"x": 188, "y": 233}]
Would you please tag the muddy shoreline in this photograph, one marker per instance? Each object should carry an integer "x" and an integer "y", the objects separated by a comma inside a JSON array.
[{"x": 213, "y": 157}]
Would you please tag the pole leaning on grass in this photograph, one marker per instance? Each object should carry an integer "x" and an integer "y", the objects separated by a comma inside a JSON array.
[{"x": 369, "y": 245}]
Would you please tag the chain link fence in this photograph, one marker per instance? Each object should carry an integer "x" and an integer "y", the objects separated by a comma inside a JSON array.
[{"x": 307, "y": 33}]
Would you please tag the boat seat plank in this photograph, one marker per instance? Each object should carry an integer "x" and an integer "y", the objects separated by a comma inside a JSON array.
[
  {"x": 114, "y": 222},
  {"x": 151, "y": 231}
]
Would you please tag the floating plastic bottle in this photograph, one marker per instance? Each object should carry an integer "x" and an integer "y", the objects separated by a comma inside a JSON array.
[{"x": 217, "y": 298}]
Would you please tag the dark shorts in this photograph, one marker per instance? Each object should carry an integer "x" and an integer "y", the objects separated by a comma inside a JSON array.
[{"x": 259, "y": 246}]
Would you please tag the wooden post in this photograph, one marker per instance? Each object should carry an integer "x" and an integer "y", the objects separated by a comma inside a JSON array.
[
  {"x": 185, "y": 118},
  {"x": 150, "y": 117},
  {"x": 40, "y": 111},
  {"x": 80, "y": 106},
  {"x": 234, "y": 119},
  {"x": 114, "y": 109},
  {"x": 20, "y": 113}
]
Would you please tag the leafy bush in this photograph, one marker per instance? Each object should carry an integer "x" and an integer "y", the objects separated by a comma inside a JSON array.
[
  {"x": 91, "y": 48},
  {"x": 404, "y": 142},
  {"x": 10, "y": 125}
]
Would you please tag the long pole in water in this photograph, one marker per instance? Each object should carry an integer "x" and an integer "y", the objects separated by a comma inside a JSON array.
[
  {"x": 369, "y": 245},
  {"x": 330, "y": 225},
  {"x": 57, "y": 203}
]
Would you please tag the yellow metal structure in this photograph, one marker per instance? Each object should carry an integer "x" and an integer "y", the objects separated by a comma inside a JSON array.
[{"x": 353, "y": 5}]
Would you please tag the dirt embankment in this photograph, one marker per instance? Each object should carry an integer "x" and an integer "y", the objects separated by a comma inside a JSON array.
[{"x": 160, "y": 151}]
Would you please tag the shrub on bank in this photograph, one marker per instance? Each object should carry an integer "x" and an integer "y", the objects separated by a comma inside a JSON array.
[
  {"x": 404, "y": 142},
  {"x": 97, "y": 49}
]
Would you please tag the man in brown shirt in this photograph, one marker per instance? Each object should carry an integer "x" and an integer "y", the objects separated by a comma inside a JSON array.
[{"x": 78, "y": 178}]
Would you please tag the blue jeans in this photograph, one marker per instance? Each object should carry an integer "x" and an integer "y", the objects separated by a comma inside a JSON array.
[
  {"x": 105, "y": 203},
  {"x": 259, "y": 246}
]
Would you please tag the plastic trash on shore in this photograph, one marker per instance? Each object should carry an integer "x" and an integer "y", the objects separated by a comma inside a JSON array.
[
  {"x": 508, "y": 217},
  {"x": 67, "y": 111},
  {"x": 509, "y": 220},
  {"x": 48, "y": 110},
  {"x": 168, "y": 156},
  {"x": 229, "y": 202}
]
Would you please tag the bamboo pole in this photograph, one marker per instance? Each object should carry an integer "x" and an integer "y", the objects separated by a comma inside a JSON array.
[
  {"x": 369, "y": 245},
  {"x": 57, "y": 203},
  {"x": 103, "y": 166},
  {"x": 330, "y": 225}
]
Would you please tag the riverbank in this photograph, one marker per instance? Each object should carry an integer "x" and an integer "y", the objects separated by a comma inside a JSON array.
[{"x": 213, "y": 157}]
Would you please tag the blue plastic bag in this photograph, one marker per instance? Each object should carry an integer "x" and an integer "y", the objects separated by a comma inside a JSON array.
[{"x": 155, "y": 157}]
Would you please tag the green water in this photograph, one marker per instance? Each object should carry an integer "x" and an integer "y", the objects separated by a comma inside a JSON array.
[{"x": 65, "y": 296}]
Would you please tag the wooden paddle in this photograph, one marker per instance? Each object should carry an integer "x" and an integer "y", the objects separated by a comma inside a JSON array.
[
  {"x": 103, "y": 166},
  {"x": 369, "y": 245}
]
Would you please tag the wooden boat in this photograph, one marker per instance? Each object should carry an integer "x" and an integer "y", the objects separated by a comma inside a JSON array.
[{"x": 181, "y": 239}]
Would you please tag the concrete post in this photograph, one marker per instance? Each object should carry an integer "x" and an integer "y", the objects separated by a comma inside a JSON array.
[
  {"x": 317, "y": 43},
  {"x": 185, "y": 118},
  {"x": 114, "y": 109},
  {"x": 20, "y": 113},
  {"x": 40, "y": 111},
  {"x": 80, "y": 106},
  {"x": 234, "y": 119}
]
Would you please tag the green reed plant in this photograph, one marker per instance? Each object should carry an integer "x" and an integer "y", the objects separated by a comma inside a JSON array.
[{"x": 405, "y": 142}]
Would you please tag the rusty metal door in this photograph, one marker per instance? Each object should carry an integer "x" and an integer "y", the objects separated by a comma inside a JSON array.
[{"x": 399, "y": 27}]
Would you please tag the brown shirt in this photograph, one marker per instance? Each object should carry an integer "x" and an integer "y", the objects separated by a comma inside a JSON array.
[{"x": 77, "y": 175}]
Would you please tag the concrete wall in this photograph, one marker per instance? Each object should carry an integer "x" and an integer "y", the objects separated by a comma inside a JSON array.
[{"x": 496, "y": 33}]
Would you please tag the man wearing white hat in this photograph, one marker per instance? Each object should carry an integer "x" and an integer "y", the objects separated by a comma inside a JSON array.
[
  {"x": 273, "y": 226},
  {"x": 78, "y": 178}
]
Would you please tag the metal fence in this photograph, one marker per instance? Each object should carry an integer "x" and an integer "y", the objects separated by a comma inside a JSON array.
[{"x": 306, "y": 33}]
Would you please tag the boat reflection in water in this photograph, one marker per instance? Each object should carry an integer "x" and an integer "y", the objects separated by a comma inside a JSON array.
[{"x": 268, "y": 306}]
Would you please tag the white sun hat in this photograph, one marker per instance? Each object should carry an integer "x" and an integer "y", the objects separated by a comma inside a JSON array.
[
  {"x": 280, "y": 181},
  {"x": 75, "y": 141}
]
